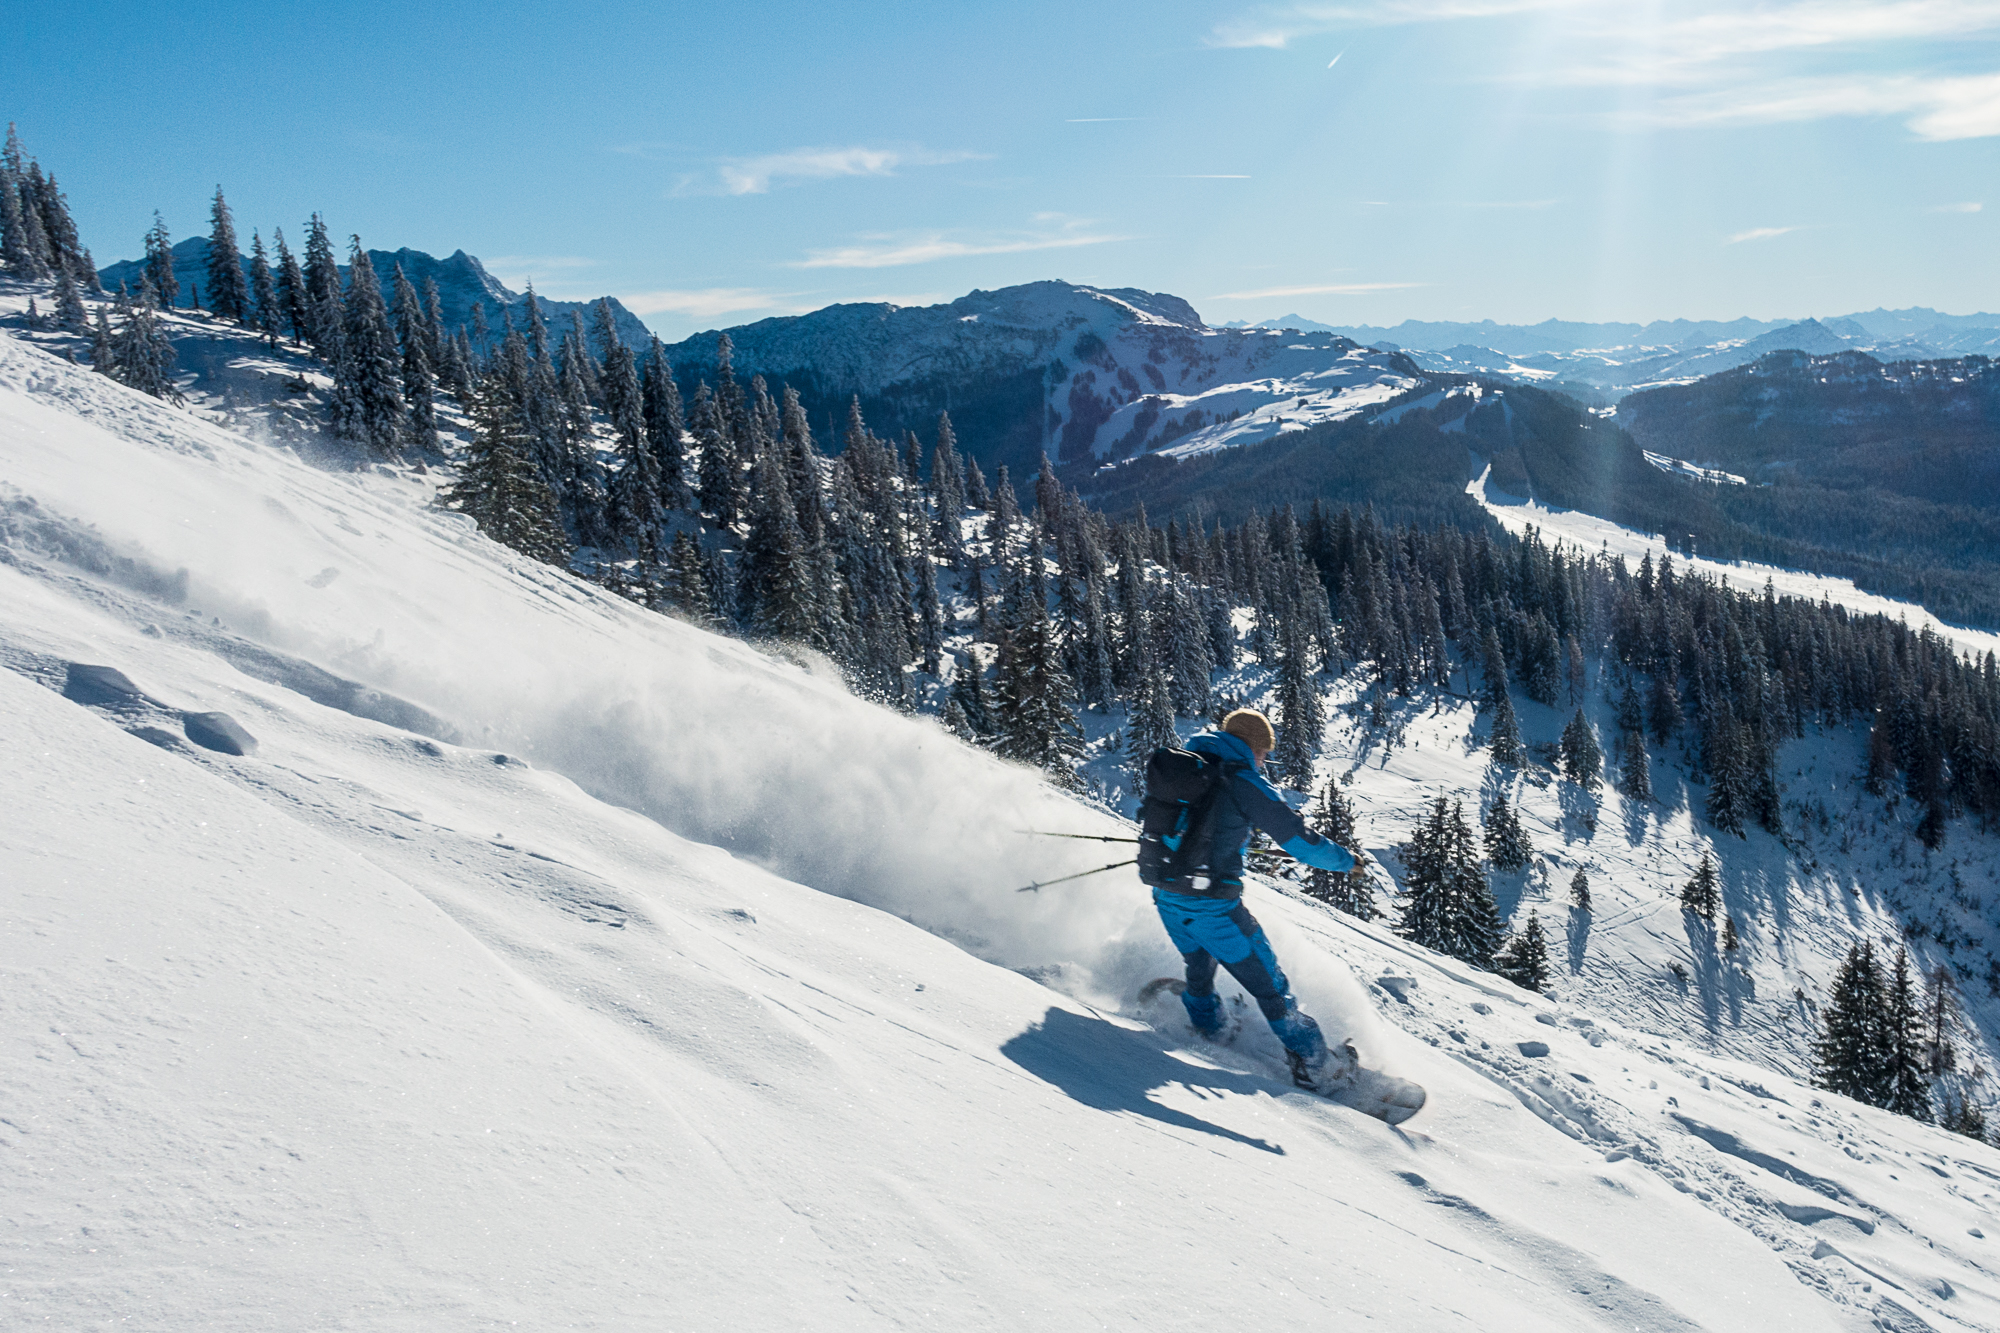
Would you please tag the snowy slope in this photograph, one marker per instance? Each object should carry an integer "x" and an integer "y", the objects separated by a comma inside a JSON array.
[
  {"x": 636, "y": 980},
  {"x": 1122, "y": 372}
]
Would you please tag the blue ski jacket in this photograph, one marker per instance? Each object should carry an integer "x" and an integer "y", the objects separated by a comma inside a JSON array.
[{"x": 1247, "y": 801}]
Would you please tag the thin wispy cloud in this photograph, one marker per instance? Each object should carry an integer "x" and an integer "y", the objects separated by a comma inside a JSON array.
[
  {"x": 1956, "y": 208},
  {"x": 1327, "y": 289},
  {"x": 1718, "y": 62},
  {"x": 1100, "y": 120},
  {"x": 1209, "y": 177},
  {"x": 1759, "y": 234},
  {"x": 895, "y": 249},
  {"x": 1939, "y": 109},
  {"x": 1280, "y": 25},
  {"x": 759, "y": 175}
]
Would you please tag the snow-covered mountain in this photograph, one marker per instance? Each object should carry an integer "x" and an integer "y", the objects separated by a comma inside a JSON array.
[
  {"x": 1079, "y": 372},
  {"x": 461, "y": 279},
  {"x": 516, "y": 955},
  {"x": 1620, "y": 358}
]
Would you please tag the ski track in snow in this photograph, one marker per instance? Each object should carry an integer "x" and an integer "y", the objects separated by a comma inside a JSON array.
[{"x": 665, "y": 986}]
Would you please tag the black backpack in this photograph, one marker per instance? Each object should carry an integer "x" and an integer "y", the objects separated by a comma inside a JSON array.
[{"x": 1176, "y": 820}]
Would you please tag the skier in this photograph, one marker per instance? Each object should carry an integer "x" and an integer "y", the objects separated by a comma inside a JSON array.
[{"x": 1205, "y": 915}]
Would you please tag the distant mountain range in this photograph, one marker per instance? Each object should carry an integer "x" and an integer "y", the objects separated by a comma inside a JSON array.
[
  {"x": 1617, "y": 358},
  {"x": 461, "y": 279}
]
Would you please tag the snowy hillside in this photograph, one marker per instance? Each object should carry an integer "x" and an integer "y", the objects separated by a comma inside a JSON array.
[
  {"x": 1116, "y": 373},
  {"x": 546, "y": 961}
]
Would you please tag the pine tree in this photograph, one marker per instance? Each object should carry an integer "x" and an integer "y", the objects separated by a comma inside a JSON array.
[
  {"x": 1907, "y": 1087},
  {"x": 292, "y": 294},
  {"x": 325, "y": 311},
  {"x": 1579, "y": 889},
  {"x": 1506, "y": 844},
  {"x": 34, "y": 235},
  {"x": 418, "y": 379},
  {"x": 66, "y": 253},
  {"x": 1150, "y": 721},
  {"x": 1635, "y": 770},
  {"x": 70, "y": 313},
  {"x": 1450, "y": 908},
  {"x": 1525, "y": 958},
  {"x": 1505, "y": 743},
  {"x": 1850, "y": 1055},
  {"x": 1702, "y": 895},
  {"x": 21, "y": 258},
  {"x": 159, "y": 271},
  {"x": 263, "y": 290},
  {"x": 968, "y": 689},
  {"x": 1731, "y": 941},
  {"x": 103, "y": 346},
  {"x": 500, "y": 488},
  {"x": 367, "y": 399},
  {"x": 1728, "y": 785},
  {"x": 1032, "y": 718},
  {"x": 228, "y": 294},
  {"x": 687, "y": 579},
  {"x": 141, "y": 356},
  {"x": 1298, "y": 706},
  {"x": 1349, "y": 890},
  {"x": 778, "y": 569},
  {"x": 665, "y": 427},
  {"x": 1581, "y": 759}
]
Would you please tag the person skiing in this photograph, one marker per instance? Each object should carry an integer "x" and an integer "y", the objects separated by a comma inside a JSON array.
[{"x": 1204, "y": 914}]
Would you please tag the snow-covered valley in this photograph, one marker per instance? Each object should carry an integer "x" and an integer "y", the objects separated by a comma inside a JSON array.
[{"x": 550, "y": 962}]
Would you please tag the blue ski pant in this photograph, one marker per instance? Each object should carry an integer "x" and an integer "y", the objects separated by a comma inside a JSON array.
[{"x": 1208, "y": 931}]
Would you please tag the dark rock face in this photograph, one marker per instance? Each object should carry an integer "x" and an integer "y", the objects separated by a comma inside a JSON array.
[
  {"x": 219, "y": 732},
  {"x": 103, "y": 687}
]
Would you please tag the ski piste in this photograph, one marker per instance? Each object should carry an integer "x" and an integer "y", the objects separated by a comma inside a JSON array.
[{"x": 1374, "y": 1092}]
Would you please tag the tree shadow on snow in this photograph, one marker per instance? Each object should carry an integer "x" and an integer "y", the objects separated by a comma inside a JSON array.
[
  {"x": 1579, "y": 937},
  {"x": 1112, "y": 1068}
]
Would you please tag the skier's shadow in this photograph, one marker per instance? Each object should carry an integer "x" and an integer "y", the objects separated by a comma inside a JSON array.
[{"x": 1111, "y": 1068}]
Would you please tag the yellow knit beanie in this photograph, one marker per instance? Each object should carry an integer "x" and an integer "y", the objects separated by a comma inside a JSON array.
[{"x": 1252, "y": 728}]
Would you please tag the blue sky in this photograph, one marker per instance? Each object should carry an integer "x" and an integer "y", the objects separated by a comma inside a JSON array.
[{"x": 1350, "y": 160}]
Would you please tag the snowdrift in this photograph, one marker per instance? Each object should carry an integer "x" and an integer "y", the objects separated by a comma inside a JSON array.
[{"x": 543, "y": 961}]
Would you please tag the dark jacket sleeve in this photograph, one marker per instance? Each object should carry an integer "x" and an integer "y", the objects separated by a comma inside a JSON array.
[{"x": 1262, "y": 806}]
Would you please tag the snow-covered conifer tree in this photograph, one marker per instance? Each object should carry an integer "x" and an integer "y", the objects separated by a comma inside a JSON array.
[
  {"x": 1851, "y": 1055},
  {"x": 141, "y": 355},
  {"x": 1581, "y": 759},
  {"x": 325, "y": 312},
  {"x": 1702, "y": 894},
  {"x": 228, "y": 293},
  {"x": 263, "y": 290},
  {"x": 159, "y": 271},
  {"x": 418, "y": 377},
  {"x": 500, "y": 488},
  {"x": 1450, "y": 908},
  {"x": 1350, "y": 890},
  {"x": 1032, "y": 718},
  {"x": 70, "y": 313},
  {"x": 665, "y": 427},
  {"x": 1525, "y": 958},
  {"x": 1505, "y": 742},
  {"x": 1506, "y": 844}
]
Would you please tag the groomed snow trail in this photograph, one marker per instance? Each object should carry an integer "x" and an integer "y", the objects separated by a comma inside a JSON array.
[{"x": 639, "y": 981}]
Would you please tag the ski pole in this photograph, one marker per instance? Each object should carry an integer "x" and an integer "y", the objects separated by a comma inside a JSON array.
[
  {"x": 1091, "y": 837},
  {"x": 1031, "y": 888}
]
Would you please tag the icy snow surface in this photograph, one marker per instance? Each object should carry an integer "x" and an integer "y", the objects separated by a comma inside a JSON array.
[{"x": 638, "y": 981}]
